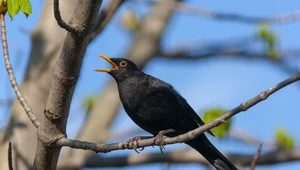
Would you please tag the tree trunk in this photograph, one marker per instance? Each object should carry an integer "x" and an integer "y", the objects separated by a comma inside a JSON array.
[{"x": 46, "y": 46}]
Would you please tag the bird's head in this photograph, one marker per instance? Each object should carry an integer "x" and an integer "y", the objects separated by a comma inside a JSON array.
[{"x": 121, "y": 68}]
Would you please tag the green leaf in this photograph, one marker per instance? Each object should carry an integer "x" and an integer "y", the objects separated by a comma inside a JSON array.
[
  {"x": 212, "y": 113},
  {"x": 25, "y": 7},
  {"x": 284, "y": 140},
  {"x": 269, "y": 37},
  {"x": 13, "y": 8}
]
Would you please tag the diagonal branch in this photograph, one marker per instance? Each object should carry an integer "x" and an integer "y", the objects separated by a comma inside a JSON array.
[
  {"x": 184, "y": 137},
  {"x": 104, "y": 17},
  {"x": 256, "y": 157},
  {"x": 12, "y": 78}
]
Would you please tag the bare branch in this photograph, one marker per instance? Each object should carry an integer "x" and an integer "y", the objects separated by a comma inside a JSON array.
[
  {"x": 179, "y": 156},
  {"x": 64, "y": 80},
  {"x": 184, "y": 137},
  {"x": 183, "y": 156},
  {"x": 12, "y": 78},
  {"x": 59, "y": 20},
  {"x": 228, "y": 50},
  {"x": 69, "y": 27},
  {"x": 246, "y": 138},
  {"x": 10, "y": 164},
  {"x": 279, "y": 19},
  {"x": 256, "y": 157},
  {"x": 242, "y": 136},
  {"x": 284, "y": 18},
  {"x": 104, "y": 17}
]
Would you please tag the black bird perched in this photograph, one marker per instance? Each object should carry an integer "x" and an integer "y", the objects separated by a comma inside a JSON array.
[{"x": 157, "y": 108}]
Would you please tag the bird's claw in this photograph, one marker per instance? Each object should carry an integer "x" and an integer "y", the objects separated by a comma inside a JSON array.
[
  {"x": 159, "y": 138},
  {"x": 135, "y": 142}
]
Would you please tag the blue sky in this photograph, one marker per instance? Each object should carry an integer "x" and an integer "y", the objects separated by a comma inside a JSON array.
[{"x": 218, "y": 81}]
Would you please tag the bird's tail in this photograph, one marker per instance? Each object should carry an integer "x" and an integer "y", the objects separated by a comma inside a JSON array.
[{"x": 212, "y": 154}]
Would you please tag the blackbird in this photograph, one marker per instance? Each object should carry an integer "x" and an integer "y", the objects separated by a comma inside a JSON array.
[{"x": 158, "y": 109}]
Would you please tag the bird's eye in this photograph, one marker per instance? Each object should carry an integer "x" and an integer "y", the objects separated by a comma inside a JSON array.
[{"x": 123, "y": 64}]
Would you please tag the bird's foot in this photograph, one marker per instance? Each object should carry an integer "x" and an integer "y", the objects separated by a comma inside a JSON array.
[
  {"x": 159, "y": 137},
  {"x": 135, "y": 142}
]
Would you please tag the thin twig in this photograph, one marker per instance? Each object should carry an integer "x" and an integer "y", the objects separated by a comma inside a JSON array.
[
  {"x": 10, "y": 164},
  {"x": 184, "y": 137},
  {"x": 284, "y": 18},
  {"x": 189, "y": 9},
  {"x": 12, "y": 78},
  {"x": 60, "y": 21},
  {"x": 204, "y": 52},
  {"x": 104, "y": 17},
  {"x": 256, "y": 157},
  {"x": 246, "y": 138}
]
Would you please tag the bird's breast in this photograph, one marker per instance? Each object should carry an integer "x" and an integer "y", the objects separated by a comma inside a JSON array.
[{"x": 132, "y": 95}]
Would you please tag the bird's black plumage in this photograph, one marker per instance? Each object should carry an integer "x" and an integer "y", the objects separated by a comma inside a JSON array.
[{"x": 155, "y": 106}]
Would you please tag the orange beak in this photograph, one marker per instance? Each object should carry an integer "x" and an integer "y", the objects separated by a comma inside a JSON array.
[{"x": 114, "y": 66}]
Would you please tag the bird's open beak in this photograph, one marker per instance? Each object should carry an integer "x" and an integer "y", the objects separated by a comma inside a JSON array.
[{"x": 114, "y": 66}]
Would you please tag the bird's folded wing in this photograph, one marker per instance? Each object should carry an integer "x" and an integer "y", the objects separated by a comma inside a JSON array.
[{"x": 166, "y": 90}]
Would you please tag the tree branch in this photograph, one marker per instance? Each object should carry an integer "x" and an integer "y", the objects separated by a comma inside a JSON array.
[
  {"x": 184, "y": 137},
  {"x": 60, "y": 21},
  {"x": 246, "y": 138},
  {"x": 284, "y": 18},
  {"x": 65, "y": 76},
  {"x": 196, "y": 53},
  {"x": 279, "y": 19},
  {"x": 256, "y": 157},
  {"x": 36, "y": 83},
  {"x": 12, "y": 78},
  {"x": 185, "y": 156},
  {"x": 104, "y": 17}
]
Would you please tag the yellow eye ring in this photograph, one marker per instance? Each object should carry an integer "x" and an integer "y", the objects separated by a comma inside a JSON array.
[{"x": 123, "y": 64}]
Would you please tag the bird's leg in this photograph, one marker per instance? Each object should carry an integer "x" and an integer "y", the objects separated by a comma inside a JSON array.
[
  {"x": 158, "y": 138},
  {"x": 135, "y": 142}
]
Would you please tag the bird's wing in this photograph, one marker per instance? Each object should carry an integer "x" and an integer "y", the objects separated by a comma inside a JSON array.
[
  {"x": 166, "y": 91},
  {"x": 194, "y": 115}
]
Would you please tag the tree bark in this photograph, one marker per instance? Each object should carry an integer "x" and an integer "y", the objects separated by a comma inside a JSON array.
[
  {"x": 35, "y": 87},
  {"x": 64, "y": 80}
]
